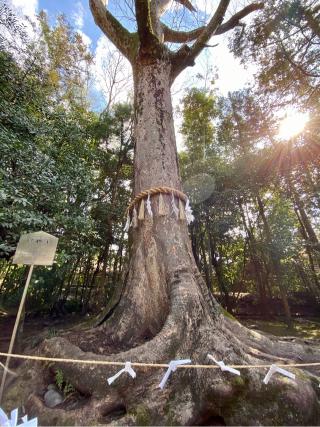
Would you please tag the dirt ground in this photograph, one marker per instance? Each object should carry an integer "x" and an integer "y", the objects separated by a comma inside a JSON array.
[
  {"x": 35, "y": 329},
  {"x": 302, "y": 328},
  {"x": 32, "y": 331}
]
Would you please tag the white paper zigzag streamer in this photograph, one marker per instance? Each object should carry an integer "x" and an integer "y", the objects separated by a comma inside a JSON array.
[
  {"x": 224, "y": 367},
  {"x": 273, "y": 369},
  {"x": 127, "y": 368},
  {"x": 172, "y": 367},
  {"x": 174, "y": 208},
  {"x": 127, "y": 226},
  {"x": 148, "y": 206},
  {"x": 134, "y": 221}
]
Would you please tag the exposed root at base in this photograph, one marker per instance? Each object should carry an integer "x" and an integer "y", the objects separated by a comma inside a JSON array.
[{"x": 191, "y": 397}]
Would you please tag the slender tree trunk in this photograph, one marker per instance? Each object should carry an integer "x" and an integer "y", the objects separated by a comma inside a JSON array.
[
  {"x": 205, "y": 265},
  {"x": 218, "y": 268},
  {"x": 305, "y": 279},
  {"x": 275, "y": 263},
  {"x": 70, "y": 280},
  {"x": 261, "y": 280},
  {"x": 308, "y": 251},
  {"x": 308, "y": 232}
]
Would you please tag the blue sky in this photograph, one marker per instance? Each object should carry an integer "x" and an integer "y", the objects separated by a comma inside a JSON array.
[{"x": 73, "y": 10}]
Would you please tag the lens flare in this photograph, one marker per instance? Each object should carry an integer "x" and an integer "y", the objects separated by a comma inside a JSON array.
[{"x": 292, "y": 125}]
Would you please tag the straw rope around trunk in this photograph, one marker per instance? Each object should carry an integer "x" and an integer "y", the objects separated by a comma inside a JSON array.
[{"x": 154, "y": 191}]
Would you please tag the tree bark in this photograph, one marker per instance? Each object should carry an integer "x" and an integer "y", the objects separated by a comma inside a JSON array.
[{"x": 160, "y": 245}]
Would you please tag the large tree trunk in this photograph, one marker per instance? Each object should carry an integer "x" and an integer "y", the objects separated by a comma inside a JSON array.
[{"x": 160, "y": 251}]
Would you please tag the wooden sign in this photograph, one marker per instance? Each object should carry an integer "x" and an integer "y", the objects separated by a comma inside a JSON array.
[
  {"x": 36, "y": 249},
  {"x": 33, "y": 249}
]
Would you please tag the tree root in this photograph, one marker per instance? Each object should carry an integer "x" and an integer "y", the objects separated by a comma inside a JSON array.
[
  {"x": 191, "y": 396},
  {"x": 266, "y": 347}
]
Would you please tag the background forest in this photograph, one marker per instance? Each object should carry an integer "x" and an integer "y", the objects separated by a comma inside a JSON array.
[{"x": 66, "y": 169}]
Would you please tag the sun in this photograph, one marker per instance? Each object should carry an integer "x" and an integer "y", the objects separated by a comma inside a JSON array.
[{"x": 292, "y": 125}]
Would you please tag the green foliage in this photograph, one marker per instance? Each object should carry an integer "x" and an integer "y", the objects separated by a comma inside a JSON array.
[
  {"x": 59, "y": 379},
  {"x": 68, "y": 61},
  {"x": 62, "y": 167},
  {"x": 63, "y": 385},
  {"x": 283, "y": 41},
  {"x": 248, "y": 231},
  {"x": 52, "y": 332}
]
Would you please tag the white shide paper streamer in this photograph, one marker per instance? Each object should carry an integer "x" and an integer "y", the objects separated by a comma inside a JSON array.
[
  {"x": 172, "y": 367},
  {"x": 148, "y": 205},
  {"x": 5, "y": 421},
  {"x": 127, "y": 368},
  {"x": 134, "y": 220},
  {"x": 189, "y": 214},
  {"x": 127, "y": 226},
  {"x": 273, "y": 369},
  {"x": 224, "y": 367},
  {"x": 8, "y": 371}
]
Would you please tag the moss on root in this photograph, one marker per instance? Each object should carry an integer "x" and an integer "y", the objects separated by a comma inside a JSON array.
[
  {"x": 227, "y": 314},
  {"x": 274, "y": 404},
  {"x": 142, "y": 416}
]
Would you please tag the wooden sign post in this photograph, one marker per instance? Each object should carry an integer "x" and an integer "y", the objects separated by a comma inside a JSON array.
[{"x": 33, "y": 249}]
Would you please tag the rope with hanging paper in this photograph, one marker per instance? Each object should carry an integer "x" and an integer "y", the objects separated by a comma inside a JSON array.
[{"x": 153, "y": 365}]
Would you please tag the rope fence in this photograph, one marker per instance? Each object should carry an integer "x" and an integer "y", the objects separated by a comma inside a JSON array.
[{"x": 153, "y": 365}]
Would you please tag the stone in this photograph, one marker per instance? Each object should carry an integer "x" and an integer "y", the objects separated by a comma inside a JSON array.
[
  {"x": 52, "y": 387},
  {"x": 52, "y": 398}
]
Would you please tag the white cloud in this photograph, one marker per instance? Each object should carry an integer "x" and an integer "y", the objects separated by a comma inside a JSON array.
[
  {"x": 85, "y": 38},
  {"x": 112, "y": 73},
  {"x": 25, "y": 7},
  {"x": 232, "y": 76},
  {"x": 29, "y": 9},
  {"x": 78, "y": 16}
]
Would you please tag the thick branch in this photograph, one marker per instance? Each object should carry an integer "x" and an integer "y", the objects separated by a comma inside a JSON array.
[
  {"x": 235, "y": 19},
  {"x": 144, "y": 22},
  {"x": 180, "y": 36},
  {"x": 187, "y": 4},
  {"x": 210, "y": 29},
  {"x": 112, "y": 28},
  {"x": 186, "y": 55}
]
